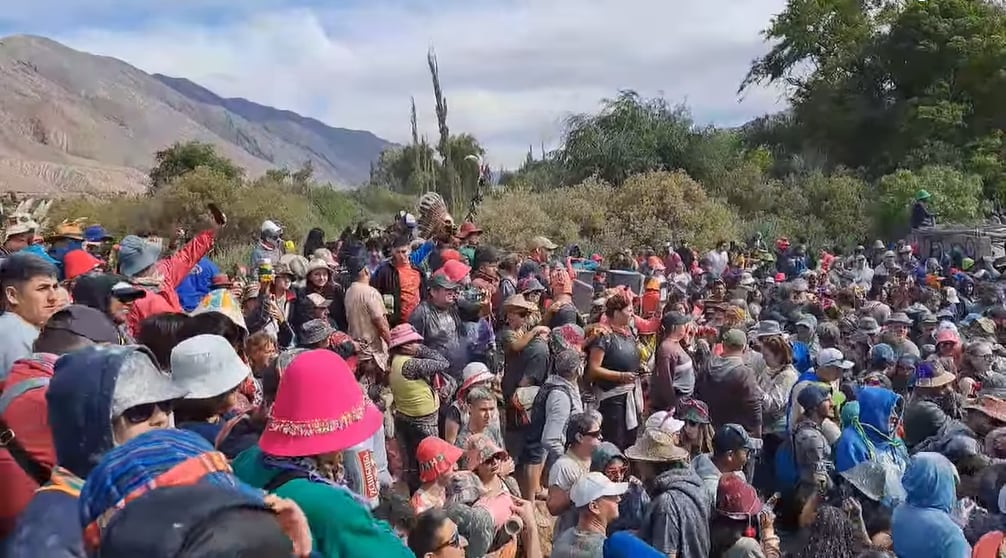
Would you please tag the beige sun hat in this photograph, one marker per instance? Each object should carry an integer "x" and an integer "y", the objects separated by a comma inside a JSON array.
[{"x": 657, "y": 446}]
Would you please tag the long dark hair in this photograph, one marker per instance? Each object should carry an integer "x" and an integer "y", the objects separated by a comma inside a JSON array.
[
  {"x": 724, "y": 532},
  {"x": 832, "y": 534},
  {"x": 315, "y": 239}
]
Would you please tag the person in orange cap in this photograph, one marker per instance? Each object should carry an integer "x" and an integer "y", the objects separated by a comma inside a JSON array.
[{"x": 437, "y": 460}]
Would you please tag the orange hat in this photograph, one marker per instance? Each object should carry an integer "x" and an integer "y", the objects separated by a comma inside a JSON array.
[
  {"x": 436, "y": 457},
  {"x": 77, "y": 263},
  {"x": 655, "y": 264}
]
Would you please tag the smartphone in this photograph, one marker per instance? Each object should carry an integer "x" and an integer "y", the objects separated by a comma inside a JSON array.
[{"x": 218, "y": 215}]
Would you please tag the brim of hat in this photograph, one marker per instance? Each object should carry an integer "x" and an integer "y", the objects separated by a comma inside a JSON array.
[
  {"x": 477, "y": 378},
  {"x": 414, "y": 337},
  {"x": 213, "y": 383},
  {"x": 843, "y": 364},
  {"x": 937, "y": 381},
  {"x": 317, "y": 339},
  {"x": 160, "y": 389},
  {"x": 283, "y": 445},
  {"x": 611, "y": 489},
  {"x": 127, "y": 292},
  {"x": 644, "y": 451},
  {"x": 871, "y": 331},
  {"x": 525, "y": 306},
  {"x": 899, "y": 322},
  {"x": 760, "y": 334}
]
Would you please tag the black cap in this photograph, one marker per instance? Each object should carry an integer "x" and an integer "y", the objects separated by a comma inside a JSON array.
[
  {"x": 674, "y": 319},
  {"x": 84, "y": 321},
  {"x": 733, "y": 437}
]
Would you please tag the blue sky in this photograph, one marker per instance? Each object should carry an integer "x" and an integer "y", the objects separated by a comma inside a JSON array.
[{"x": 511, "y": 69}]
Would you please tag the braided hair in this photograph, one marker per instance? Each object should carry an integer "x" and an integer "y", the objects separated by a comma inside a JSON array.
[{"x": 832, "y": 534}]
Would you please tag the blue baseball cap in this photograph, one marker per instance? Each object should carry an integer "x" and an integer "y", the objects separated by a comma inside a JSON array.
[{"x": 96, "y": 233}]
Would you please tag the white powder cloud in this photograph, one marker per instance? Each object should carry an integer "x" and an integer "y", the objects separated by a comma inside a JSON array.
[{"x": 511, "y": 69}]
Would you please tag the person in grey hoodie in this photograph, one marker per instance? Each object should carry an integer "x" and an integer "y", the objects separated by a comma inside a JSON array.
[
  {"x": 676, "y": 521},
  {"x": 729, "y": 388},
  {"x": 732, "y": 448}
]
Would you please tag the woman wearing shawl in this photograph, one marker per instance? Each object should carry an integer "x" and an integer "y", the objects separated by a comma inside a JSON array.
[
  {"x": 320, "y": 411},
  {"x": 922, "y": 525},
  {"x": 613, "y": 365}
]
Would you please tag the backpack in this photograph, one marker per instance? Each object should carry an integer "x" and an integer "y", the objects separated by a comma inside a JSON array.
[
  {"x": 537, "y": 416},
  {"x": 787, "y": 470}
]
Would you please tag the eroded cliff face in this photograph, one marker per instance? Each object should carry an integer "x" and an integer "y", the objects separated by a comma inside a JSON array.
[{"x": 75, "y": 122}]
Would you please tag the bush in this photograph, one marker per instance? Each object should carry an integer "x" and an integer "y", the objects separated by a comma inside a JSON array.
[
  {"x": 956, "y": 197},
  {"x": 647, "y": 210},
  {"x": 183, "y": 203}
]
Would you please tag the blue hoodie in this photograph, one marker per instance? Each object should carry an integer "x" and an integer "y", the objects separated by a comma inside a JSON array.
[
  {"x": 922, "y": 525},
  {"x": 196, "y": 284},
  {"x": 79, "y": 398},
  {"x": 870, "y": 436}
]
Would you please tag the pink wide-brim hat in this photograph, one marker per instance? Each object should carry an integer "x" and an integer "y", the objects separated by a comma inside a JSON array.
[
  {"x": 319, "y": 408},
  {"x": 403, "y": 334}
]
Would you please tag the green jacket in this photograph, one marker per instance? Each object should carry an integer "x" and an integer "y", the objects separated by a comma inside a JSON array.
[{"x": 340, "y": 526}]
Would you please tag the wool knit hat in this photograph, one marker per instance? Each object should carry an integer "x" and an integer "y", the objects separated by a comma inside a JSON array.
[
  {"x": 320, "y": 408},
  {"x": 154, "y": 459}
]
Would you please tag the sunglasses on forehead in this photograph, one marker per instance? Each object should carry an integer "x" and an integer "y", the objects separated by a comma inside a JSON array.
[{"x": 142, "y": 413}]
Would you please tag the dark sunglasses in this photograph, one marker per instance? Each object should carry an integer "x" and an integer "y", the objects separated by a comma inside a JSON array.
[
  {"x": 594, "y": 434},
  {"x": 142, "y": 413},
  {"x": 453, "y": 542}
]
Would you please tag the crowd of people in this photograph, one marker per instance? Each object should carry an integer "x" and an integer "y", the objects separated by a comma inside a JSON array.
[{"x": 405, "y": 392}]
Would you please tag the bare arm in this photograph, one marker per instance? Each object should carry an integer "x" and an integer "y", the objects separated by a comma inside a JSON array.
[
  {"x": 558, "y": 500},
  {"x": 596, "y": 372}
]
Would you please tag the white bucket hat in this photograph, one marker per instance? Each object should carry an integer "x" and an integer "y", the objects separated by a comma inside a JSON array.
[{"x": 207, "y": 366}]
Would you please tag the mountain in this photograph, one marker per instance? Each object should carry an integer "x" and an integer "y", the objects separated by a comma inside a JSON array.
[{"x": 76, "y": 122}]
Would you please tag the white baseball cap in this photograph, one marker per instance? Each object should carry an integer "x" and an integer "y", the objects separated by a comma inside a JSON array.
[
  {"x": 833, "y": 357},
  {"x": 595, "y": 485},
  {"x": 271, "y": 227},
  {"x": 665, "y": 422}
]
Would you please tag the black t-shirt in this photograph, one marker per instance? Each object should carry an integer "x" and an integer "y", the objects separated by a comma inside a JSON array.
[
  {"x": 531, "y": 362},
  {"x": 621, "y": 354}
]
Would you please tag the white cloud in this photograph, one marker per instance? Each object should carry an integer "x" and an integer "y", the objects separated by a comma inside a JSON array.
[{"x": 511, "y": 69}]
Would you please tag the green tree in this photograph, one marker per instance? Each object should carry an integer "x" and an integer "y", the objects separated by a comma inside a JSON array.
[{"x": 182, "y": 158}]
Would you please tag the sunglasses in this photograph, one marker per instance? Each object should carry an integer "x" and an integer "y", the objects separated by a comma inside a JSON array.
[
  {"x": 594, "y": 434},
  {"x": 617, "y": 471},
  {"x": 453, "y": 542},
  {"x": 142, "y": 413}
]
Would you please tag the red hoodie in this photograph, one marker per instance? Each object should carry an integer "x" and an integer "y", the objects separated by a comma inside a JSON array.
[
  {"x": 28, "y": 417},
  {"x": 173, "y": 270}
]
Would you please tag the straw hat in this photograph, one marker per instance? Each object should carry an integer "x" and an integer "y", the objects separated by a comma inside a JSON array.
[
  {"x": 992, "y": 407},
  {"x": 320, "y": 408},
  {"x": 656, "y": 446},
  {"x": 932, "y": 374},
  {"x": 518, "y": 302}
]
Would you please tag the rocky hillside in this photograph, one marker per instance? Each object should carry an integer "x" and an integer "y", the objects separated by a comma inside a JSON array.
[{"x": 75, "y": 122}]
